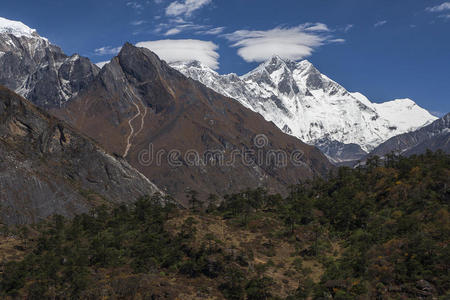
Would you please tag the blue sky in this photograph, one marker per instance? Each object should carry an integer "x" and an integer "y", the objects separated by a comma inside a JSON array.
[{"x": 385, "y": 49}]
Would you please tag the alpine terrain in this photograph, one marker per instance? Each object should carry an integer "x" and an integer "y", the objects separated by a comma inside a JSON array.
[
  {"x": 307, "y": 104},
  {"x": 47, "y": 167},
  {"x": 433, "y": 137},
  {"x": 150, "y": 175},
  {"x": 138, "y": 106},
  {"x": 38, "y": 70}
]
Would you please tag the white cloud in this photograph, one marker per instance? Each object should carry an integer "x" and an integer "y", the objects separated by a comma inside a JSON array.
[
  {"x": 138, "y": 22},
  {"x": 135, "y": 5},
  {"x": 443, "y": 8},
  {"x": 107, "y": 50},
  {"x": 439, "y": 8},
  {"x": 186, "y": 7},
  {"x": 348, "y": 27},
  {"x": 173, "y": 31},
  {"x": 185, "y": 50},
  {"x": 178, "y": 15},
  {"x": 315, "y": 27},
  {"x": 213, "y": 31},
  {"x": 180, "y": 28},
  {"x": 293, "y": 43},
  {"x": 380, "y": 23},
  {"x": 337, "y": 41}
]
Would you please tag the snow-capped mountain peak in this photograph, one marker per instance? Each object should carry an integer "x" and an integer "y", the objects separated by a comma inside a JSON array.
[
  {"x": 16, "y": 28},
  {"x": 45, "y": 75},
  {"x": 303, "y": 102},
  {"x": 275, "y": 67}
]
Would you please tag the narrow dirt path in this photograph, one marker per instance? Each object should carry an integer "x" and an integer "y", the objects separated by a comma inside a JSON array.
[
  {"x": 139, "y": 113},
  {"x": 127, "y": 148},
  {"x": 142, "y": 120}
]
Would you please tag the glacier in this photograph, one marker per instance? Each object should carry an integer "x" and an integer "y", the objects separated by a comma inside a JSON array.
[{"x": 307, "y": 104}]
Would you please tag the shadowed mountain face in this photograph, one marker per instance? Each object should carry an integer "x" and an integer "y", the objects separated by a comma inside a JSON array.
[
  {"x": 167, "y": 125},
  {"x": 433, "y": 137},
  {"x": 40, "y": 71},
  {"x": 339, "y": 153},
  {"x": 47, "y": 168}
]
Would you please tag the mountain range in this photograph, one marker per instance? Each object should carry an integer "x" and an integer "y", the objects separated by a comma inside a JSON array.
[
  {"x": 180, "y": 127},
  {"x": 310, "y": 106},
  {"x": 433, "y": 137},
  {"x": 138, "y": 103},
  {"x": 137, "y": 106},
  {"x": 140, "y": 179},
  {"x": 39, "y": 70}
]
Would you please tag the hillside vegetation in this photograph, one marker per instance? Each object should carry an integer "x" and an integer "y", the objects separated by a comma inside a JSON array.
[{"x": 375, "y": 232}]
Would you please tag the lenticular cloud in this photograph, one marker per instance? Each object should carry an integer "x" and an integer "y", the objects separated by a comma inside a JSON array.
[
  {"x": 185, "y": 50},
  {"x": 293, "y": 43}
]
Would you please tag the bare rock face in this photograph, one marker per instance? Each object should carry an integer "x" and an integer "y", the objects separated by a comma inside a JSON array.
[
  {"x": 47, "y": 168},
  {"x": 38, "y": 70},
  {"x": 434, "y": 136},
  {"x": 339, "y": 153},
  {"x": 138, "y": 106}
]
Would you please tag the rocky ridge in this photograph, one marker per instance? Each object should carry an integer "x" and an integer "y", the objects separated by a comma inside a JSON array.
[{"x": 47, "y": 167}]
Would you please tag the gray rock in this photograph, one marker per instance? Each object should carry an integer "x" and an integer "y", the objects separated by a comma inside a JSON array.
[
  {"x": 433, "y": 136},
  {"x": 41, "y": 72},
  {"x": 339, "y": 153},
  {"x": 47, "y": 168}
]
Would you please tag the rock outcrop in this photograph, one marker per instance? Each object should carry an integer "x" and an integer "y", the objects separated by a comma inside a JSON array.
[
  {"x": 47, "y": 167},
  {"x": 38, "y": 70}
]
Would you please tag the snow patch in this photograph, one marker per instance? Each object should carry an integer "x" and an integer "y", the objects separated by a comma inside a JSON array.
[
  {"x": 16, "y": 28},
  {"x": 101, "y": 64}
]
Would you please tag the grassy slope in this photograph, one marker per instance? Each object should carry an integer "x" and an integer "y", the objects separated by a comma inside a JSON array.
[{"x": 374, "y": 232}]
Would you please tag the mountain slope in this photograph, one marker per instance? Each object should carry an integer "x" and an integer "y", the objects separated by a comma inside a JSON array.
[
  {"x": 48, "y": 168},
  {"x": 138, "y": 107},
  {"x": 38, "y": 70},
  {"x": 384, "y": 232},
  {"x": 307, "y": 104},
  {"x": 433, "y": 136}
]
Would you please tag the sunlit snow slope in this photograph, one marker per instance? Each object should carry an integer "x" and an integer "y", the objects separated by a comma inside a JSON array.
[{"x": 309, "y": 105}]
